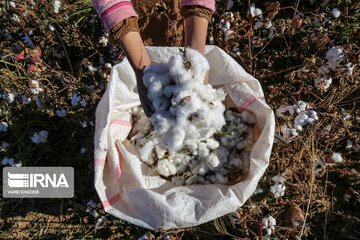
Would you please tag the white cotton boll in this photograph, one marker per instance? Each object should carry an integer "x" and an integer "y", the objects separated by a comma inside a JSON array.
[
  {"x": 345, "y": 114},
  {"x": 181, "y": 167},
  {"x": 166, "y": 167},
  {"x": 4, "y": 145},
  {"x": 83, "y": 102},
  {"x": 38, "y": 101},
  {"x": 322, "y": 81},
  {"x": 301, "y": 106},
  {"x": 323, "y": 69},
  {"x": 213, "y": 178},
  {"x": 269, "y": 224},
  {"x": 212, "y": 161},
  {"x": 57, "y": 6},
  {"x": 83, "y": 150},
  {"x": 349, "y": 69},
  {"x": 278, "y": 179},
  {"x": 230, "y": 116},
  {"x": 283, "y": 109},
  {"x": 223, "y": 25},
  {"x": 349, "y": 144},
  {"x": 155, "y": 90},
  {"x": 157, "y": 68},
  {"x": 171, "y": 90},
  {"x": 146, "y": 153},
  {"x": 162, "y": 123},
  {"x": 215, "y": 119},
  {"x": 178, "y": 181},
  {"x": 27, "y": 40},
  {"x": 103, "y": 41},
  {"x": 195, "y": 169},
  {"x": 61, "y": 113},
  {"x": 268, "y": 23},
  {"x": 200, "y": 64},
  {"x": 25, "y": 99},
  {"x": 203, "y": 168},
  {"x": 336, "y": 157},
  {"x": 191, "y": 180},
  {"x": 336, "y": 13},
  {"x": 160, "y": 151},
  {"x": 247, "y": 117},
  {"x": 257, "y": 12},
  {"x": 206, "y": 133},
  {"x": 301, "y": 120},
  {"x": 258, "y": 25},
  {"x": 161, "y": 103},
  {"x": 75, "y": 99},
  {"x": 14, "y": 18},
  {"x": 272, "y": 33},
  {"x": 203, "y": 151},
  {"x": 228, "y": 35},
  {"x": 334, "y": 57},
  {"x": 7, "y": 160},
  {"x": 278, "y": 190},
  {"x": 222, "y": 152},
  {"x": 12, "y": 4},
  {"x": 173, "y": 139},
  {"x": 212, "y": 143},
  {"x": 36, "y": 87},
  {"x": 10, "y": 97},
  {"x": 3, "y": 126},
  {"x": 40, "y": 137},
  {"x": 226, "y": 142},
  {"x": 149, "y": 78},
  {"x": 6, "y": 34},
  {"x": 221, "y": 178},
  {"x": 242, "y": 144},
  {"x": 177, "y": 70}
]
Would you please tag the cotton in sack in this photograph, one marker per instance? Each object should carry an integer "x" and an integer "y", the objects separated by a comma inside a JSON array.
[{"x": 130, "y": 190}]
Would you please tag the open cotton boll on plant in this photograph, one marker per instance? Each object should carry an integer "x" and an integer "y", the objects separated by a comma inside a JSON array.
[{"x": 190, "y": 138}]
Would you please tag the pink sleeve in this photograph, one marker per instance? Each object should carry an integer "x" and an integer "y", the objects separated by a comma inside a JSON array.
[
  {"x": 204, "y": 3},
  {"x": 113, "y": 11}
]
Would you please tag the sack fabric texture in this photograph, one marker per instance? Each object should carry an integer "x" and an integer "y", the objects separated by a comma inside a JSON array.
[{"x": 130, "y": 190}]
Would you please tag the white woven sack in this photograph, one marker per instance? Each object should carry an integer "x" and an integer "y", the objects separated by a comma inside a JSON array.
[{"x": 129, "y": 190}]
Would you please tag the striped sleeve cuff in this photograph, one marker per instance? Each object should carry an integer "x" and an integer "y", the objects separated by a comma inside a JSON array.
[
  {"x": 112, "y": 12},
  {"x": 113, "y": 16}
]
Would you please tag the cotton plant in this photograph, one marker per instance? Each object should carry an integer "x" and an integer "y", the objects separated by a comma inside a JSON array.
[
  {"x": 75, "y": 99},
  {"x": 4, "y": 145},
  {"x": 3, "y": 126},
  {"x": 336, "y": 13},
  {"x": 268, "y": 225},
  {"x": 61, "y": 112},
  {"x": 304, "y": 115},
  {"x": 334, "y": 56},
  {"x": 35, "y": 88},
  {"x": 57, "y": 6},
  {"x": 225, "y": 26},
  {"x": 38, "y": 101},
  {"x": 190, "y": 138},
  {"x": 11, "y": 162},
  {"x": 40, "y": 137},
  {"x": 336, "y": 157},
  {"x": 278, "y": 189}
]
